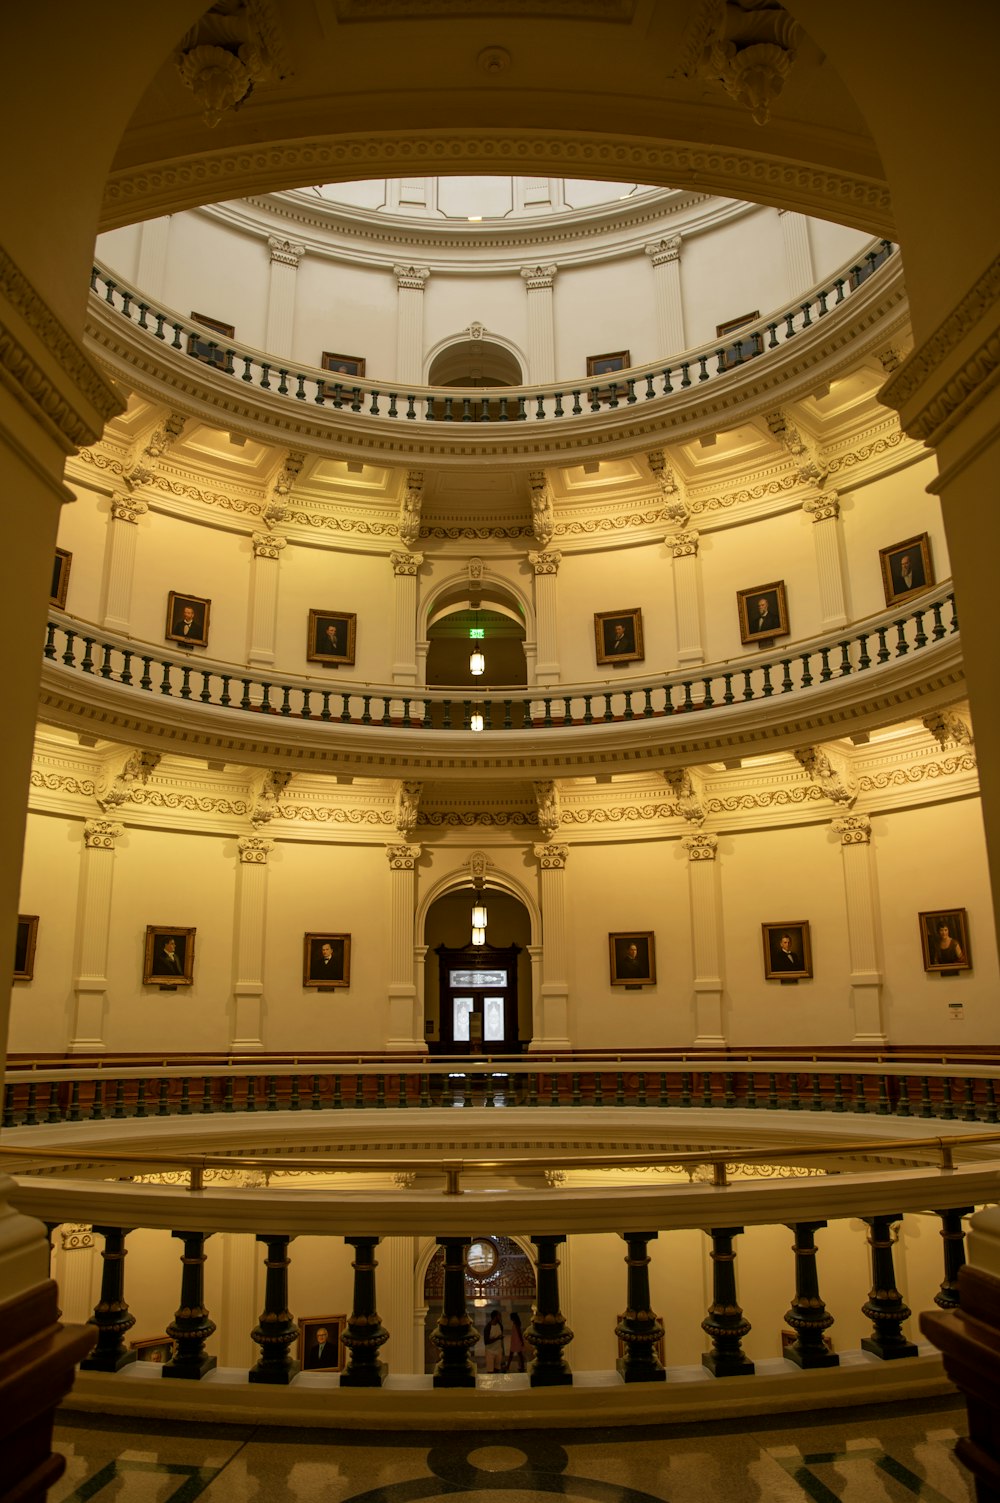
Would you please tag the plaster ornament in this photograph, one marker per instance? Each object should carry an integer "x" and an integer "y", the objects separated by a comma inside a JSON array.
[
  {"x": 701, "y": 847},
  {"x": 218, "y": 79},
  {"x": 537, "y": 278},
  {"x": 854, "y": 829},
  {"x": 289, "y": 472},
  {"x": 126, "y": 768},
  {"x": 890, "y": 359},
  {"x": 545, "y": 563},
  {"x": 547, "y": 805},
  {"x": 167, "y": 433},
  {"x": 479, "y": 865},
  {"x": 405, "y": 564},
  {"x": 687, "y": 798},
  {"x": 402, "y": 858},
  {"x": 233, "y": 46},
  {"x": 476, "y": 330},
  {"x": 412, "y": 277},
  {"x": 811, "y": 469},
  {"x": 660, "y": 252},
  {"x": 747, "y": 46},
  {"x": 476, "y": 569},
  {"x": 662, "y": 472},
  {"x": 102, "y": 834},
  {"x": 268, "y": 544},
  {"x": 825, "y": 508},
  {"x": 407, "y": 806},
  {"x": 543, "y": 519},
  {"x": 285, "y": 252},
  {"x": 948, "y": 729},
  {"x": 128, "y": 508},
  {"x": 265, "y": 788},
  {"x": 683, "y": 544},
  {"x": 254, "y": 849},
  {"x": 834, "y": 783},
  {"x": 409, "y": 511},
  {"x": 551, "y": 858}
]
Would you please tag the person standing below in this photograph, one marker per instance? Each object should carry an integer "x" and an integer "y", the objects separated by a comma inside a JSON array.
[
  {"x": 493, "y": 1342},
  {"x": 516, "y": 1364}
]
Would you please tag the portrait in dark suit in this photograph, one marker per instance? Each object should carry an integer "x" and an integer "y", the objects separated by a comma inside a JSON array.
[
  {"x": 607, "y": 365},
  {"x": 633, "y": 959},
  {"x": 187, "y": 619},
  {"x": 763, "y": 613},
  {"x": 331, "y": 638},
  {"x": 787, "y": 951},
  {"x": 169, "y": 958},
  {"x": 327, "y": 960},
  {"x": 906, "y": 568},
  {"x": 618, "y": 636},
  {"x": 319, "y": 1343}
]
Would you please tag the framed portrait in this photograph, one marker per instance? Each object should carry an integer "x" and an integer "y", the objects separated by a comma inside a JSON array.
[
  {"x": 332, "y": 638},
  {"x": 618, "y": 636},
  {"x": 607, "y": 365},
  {"x": 326, "y": 960},
  {"x": 906, "y": 568},
  {"x": 60, "y": 578},
  {"x": 208, "y": 350},
  {"x": 742, "y": 349},
  {"x": 169, "y": 957},
  {"x": 763, "y": 613},
  {"x": 633, "y": 958},
  {"x": 787, "y": 951},
  {"x": 187, "y": 619},
  {"x": 944, "y": 935},
  {"x": 24, "y": 946},
  {"x": 320, "y": 1346},
  {"x": 349, "y": 366},
  {"x": 155, "y": 1349}
]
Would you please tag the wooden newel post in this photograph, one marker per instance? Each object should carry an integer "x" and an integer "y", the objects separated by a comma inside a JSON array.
[
  {"x": 639, "y": 1329},
  {"x": 954, "y": 1255},
  {"x": 884, "y": 1306},
  {"x": 365, "y": 1332},
  {"x": 111, "y": 1314},
  {"x": 808, "y": 1315},
  {"x": 276, "y": 1329},
  {"x": 725, "y": 1322},
  {"x": 454, "y": 1335},
  {"x": 191, "y": 1326},
  {"x": 548, "y": 1331}
]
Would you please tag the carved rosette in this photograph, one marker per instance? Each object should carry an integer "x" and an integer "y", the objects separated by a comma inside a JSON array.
[
  {"x": 102, "y": 834},
  {"x": 128, "y": 508},
  {"x": 823, "y": 508},
  {"x": 683, "y": 544},
  {"x": 660, "y": 252},
  {"x": 854, "y": 829},
  {"x": 412, "y": 277},
  {"x": 701, "y": 847},
  {"x": 254, "y": 849},
  {"x": 268, "y": 544},
  {"x": 405, "y": 563},
  {"x": 285, "y": 252},
  {"x": 545, "y": 563},
  {"x": 551, "y": 858},
  {"x": 402, "y": 858},
  {"x": 537, "y": 278}
]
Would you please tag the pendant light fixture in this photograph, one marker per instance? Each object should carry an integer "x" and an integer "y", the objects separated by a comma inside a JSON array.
[
  {"x": 477, "y": 658},
  {"x": 479, "y": 920}
]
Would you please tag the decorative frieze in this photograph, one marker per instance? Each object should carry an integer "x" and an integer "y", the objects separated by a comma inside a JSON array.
[
  {"x": 268, "y": 544},
  {"x": 102, "y": 834},
  {"x": 854, "y": 829},
  {"x": 254, "y": 849},
  {"x": 402, "y": 858}
]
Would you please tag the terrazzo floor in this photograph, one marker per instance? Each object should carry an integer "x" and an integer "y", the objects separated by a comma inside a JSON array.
[{"x": 883, "y": 1455}]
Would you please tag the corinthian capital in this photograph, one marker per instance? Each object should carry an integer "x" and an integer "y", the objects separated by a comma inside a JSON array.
[
  {"x": 538, "y": 277},
  {"x": 545, "y": 563},
  {"x": 413, "y": 277},
  {"x": 666, "y": 249},
  {"x": 254, "y": 849},
  {"x": 701, "y": 847},
  {"x": 405, "y": 563},
  {"x": 854, "y": 829},
  {"x": 285, "y": 252},
  {"x": 683, "y": 544}
]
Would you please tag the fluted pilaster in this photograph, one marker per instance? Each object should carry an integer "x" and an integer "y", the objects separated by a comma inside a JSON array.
[
  {"x": 798, "y": 252},
  {"x": 90, "y": 984},
  {"x": 538, "y": 283},
  {"x": 251, "y": 907},
  {"x": 665, "y": 257},
  {"x": 285, "y": 257},
  {"x": 706, "y": 936},
  {"x": 861, "y": 894},
  {"x": 826, "y": 533},
  {"x": 551, "y": 1029},
  {"x": 406, "y": 1028},
  {"x": 122, "y": 540},
  {"x": 405, "y": 567},
  {"x": 683, "y": 547},
  {"x": 546, "y": 570},
  {"x": 410, "y": 282},
  {"x": 264, "y": 575}
]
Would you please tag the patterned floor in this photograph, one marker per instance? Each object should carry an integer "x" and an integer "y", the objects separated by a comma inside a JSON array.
[{"x": 887, "y": 1455}]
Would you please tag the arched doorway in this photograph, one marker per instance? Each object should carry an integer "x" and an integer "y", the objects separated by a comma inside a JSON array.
[
  {"x": 474, "y": 363},
  {"x": 478, "y": 997},
  {"x": 499, "y": 1275}
]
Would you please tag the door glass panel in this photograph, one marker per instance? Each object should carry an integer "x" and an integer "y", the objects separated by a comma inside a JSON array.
[
  {"x": 493, "y": 1020},
  {"x": 462, "y": 1007},
  {"x": 477, "y": 979}
]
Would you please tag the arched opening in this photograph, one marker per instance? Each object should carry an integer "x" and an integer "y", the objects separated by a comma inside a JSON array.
[
  {"x": 473, "y": 363},
  {"x": 478, "y": 995},
  {"x": 499, "y": 1275}
]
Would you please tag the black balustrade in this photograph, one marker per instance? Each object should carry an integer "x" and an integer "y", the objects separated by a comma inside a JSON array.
[
  {"x": 111, "y": 1316},
  {"x": 808, "y": 1315},
  {"x": 953, "y": 1237},
  {"x": 454, "y": 1336},
  {"x": 884, "y": 1306},
  {"x": 639, "y": 1329},
  {"x": 725, "y": 1323},
  {"x": 191, "y": 1326},
  {"x": 276, "y": 1330},
  {"x": 548, "y": 1332},
  {"x": 365, "y": 1333}
]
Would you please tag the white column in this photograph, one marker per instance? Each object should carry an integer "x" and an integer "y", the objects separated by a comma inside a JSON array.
[
  {"x": 90, "y": 984},
  {"x": 396, "y": 1257},
  {"x": 410, "y": 282},
  {"x": 248, "y": 943},
  {"x": 264, "y": 568},
  {"x": 825, "y": 512},
  {"x": 538, "y": 282},
  {"x": 861, "y": 892},
  {"x": 151, "y": 265},
  {"x": 406, "y": 1029},
  {"x": 242, "y": 1296},
  {"x": 684, "y": 551},
  {"x": 798, "y": 255},
  {"x": 706, "y": 936},
  {"x": 280, "y": 326},
  {"x": 405, "y": 667},
  {"x": 546, "y": 567},
  {"x": 665, "y": 255},
  {"x": 553, "y": 1016},
  {"x": 119, "y": 562},
  {"x": 77, "y": 1266}
]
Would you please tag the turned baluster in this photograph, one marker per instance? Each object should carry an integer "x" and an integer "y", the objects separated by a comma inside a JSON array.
[
  {"x": 884, "y": 1306},
  {"x": 725, "y": 1323},
  {"x": 454, "y": 1335},
  {"x": 954, "y": 1255},
  {"x": 548, "y": 1331},
  {"x": 808, "y": 1315},
  {"x": 111, "y": 1314},
  {"x": 276, "y": 1330},
  {"x": 639, "y": 1329},
  {"x": 365, "y": 1332},
  {"x": 191, "y": 1326}
]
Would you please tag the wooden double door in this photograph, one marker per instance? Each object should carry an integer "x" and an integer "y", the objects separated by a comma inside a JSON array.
[{"x": 478, "y": 992}]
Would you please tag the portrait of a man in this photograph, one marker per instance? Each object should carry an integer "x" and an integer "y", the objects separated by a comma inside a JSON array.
[
  {"x": 319, "y": 1343},
  {"x": 169, "y": 958},
  {"x": 906, "y": 568},
  {"x": 331, "y": 638},
  {"x": 633, "y": 961},
  {"x": 607, "y": 365},
  {"x": 787, "y": 951},
  {"x": 763, "y": 613},
  {"x": 187, "y": 620},
  {"x": 618, "y": 636},
  {"x": 327, "y": 960}
]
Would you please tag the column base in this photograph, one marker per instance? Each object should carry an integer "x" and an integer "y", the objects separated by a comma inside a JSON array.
[
  {"x": 889, "y": 1353},
  {"x": 811, "y": 1359},
  {"x": 109, "y": 1363},
  {"x": 558, "y": 1378},
  {"x": 195, "y": 1370},
  {"x": 282, "y": 1375},
  {"x": 727, "y": 1367},
  {"x": 643, "y": 1375},
  {"x": 365, "y": 1377},
  {"x": 454, "y": 1380}
]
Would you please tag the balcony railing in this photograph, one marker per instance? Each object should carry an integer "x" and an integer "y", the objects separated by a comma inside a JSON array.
[
  {"x": 363, "y": 398},
  {"x": 862, "y": 653}
]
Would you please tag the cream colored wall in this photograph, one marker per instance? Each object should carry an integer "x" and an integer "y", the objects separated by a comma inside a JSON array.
[
  {"x": 736, "y": 269},
  {"x": 83, "y": 530},
  {"x": 868, "y": 516},
  {"x": 347, "y": 310},
  {"x": 327, "y": 579},
  {"x": 225, "y": 279},
  {"x": 41, "y": 1009},
  {"x": 451, "y": 303}
]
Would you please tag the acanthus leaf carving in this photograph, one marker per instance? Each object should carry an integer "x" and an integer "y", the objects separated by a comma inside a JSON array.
[
  {"x": 547, "y": 805},
  {"x": 832, "y": 780},
  {"x": 408, "y": 806},
  {"x": 266, "y": 787},
  {"x": 124, "y": 770},
  {"x": 543, "y": 518},
  {"x": 948, "y": 729},
  {"x": 687, "y": 798},
  {"x": 410, "y": 508}
]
